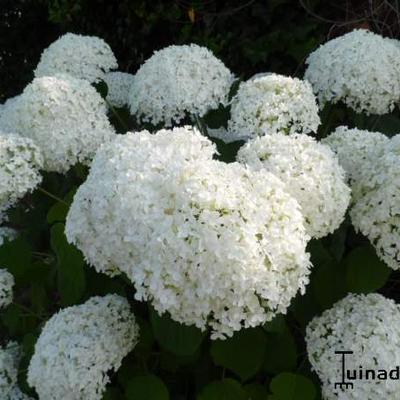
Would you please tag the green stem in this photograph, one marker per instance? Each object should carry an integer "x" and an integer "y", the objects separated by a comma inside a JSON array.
[
  {"x": 114, "y": 111},
  {"x": 27, "y": 310},
  {"x": 51, "y": 195},
  {"x": 200, "y": 125}
]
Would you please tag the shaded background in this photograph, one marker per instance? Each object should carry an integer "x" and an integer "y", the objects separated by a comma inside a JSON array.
[{"x": 249, "y": 36}]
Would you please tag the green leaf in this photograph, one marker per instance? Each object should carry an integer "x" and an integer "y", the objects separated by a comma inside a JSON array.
[
  {"x": 366, "y": 273},
  {"x": 227, "y": 151},
  {"x": 281, "y": 353},
  {"x": 289, "y": 386},
  {"x": 112, "y": 394},
  {"x": 18, "y": 321},
  {"x": 329, "y": 283},
  {"x": 146, "y": 387},
  {"x": 71, "y": 281},
  {"x": 174, "y": 337},
  {"x": 388, "y": 124},
  {"x": 255, "y": 391},
  {"x": 319, "y": 254},
  {"x": 38, "y": 297},
  {"x": 171, "y": 362},
  {"x": 16, "y": 257},
  {"x": 146, "y": 339},
  {"x": 277, "y": 325},
  {"x": 304, "y": 307},
  {"x": 58, "y": 212},
  {"x": 227, "y": 389},
  {"x": 101, "y": 88},
  {"x": 243, "y": 353},
  {"x": 336, "y": 242}
]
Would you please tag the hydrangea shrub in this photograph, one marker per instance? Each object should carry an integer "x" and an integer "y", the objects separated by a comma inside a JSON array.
[{"x": 179, "y": 232}]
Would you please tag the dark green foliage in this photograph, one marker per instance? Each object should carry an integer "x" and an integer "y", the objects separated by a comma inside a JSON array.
[{"x": 173, "y": 361}]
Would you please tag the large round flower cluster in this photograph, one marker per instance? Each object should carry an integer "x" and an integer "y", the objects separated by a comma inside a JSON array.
[
  {"x": 360, "y": 68},
  {"x": 84, "y": 57},
  {"x": 179, "y": 81},
  {"x": 271, "y": 103},
  {"x": 7, "y": 103},
  {"x": 211, "y": 243},
  {"x": 64, "y": 116},
  {"x": 20, "y": 161},
  {"x": 9, "y": 359},
  {"x": 79, "y": 345},
  {"x": 6, "y": 288},
  {"x": 368, "y": 326},
  {"x": 119, "y": 85},
  {"x": 376, "y": 213},
  {"x": 311, "y": 174},
  {"x": 356, "y": 150}
]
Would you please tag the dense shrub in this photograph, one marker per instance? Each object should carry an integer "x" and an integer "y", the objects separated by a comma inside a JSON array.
[{"x": 193, "y": 230}]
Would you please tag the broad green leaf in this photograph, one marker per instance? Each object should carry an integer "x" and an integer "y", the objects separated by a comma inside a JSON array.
[
  {"x": 58, "y": 212},
  {"x": 15, "y": 256},
  {"x": 146, "y": 338},
  {"x": 336, "y": 242},
  {"x": 329, "y": 283},
  {"x": 227, "y": 151},
  {"x": 319, "y": 253},
  {"x": 98, "y": 284},
  {"x": 101, "y": 88},
  {"x": 243, "y": 353},
  {"x": 112, "y": 393},
  {"x": 281, "y": 353},
  {"x": 174, "y": 337},
  {"x": 18, "y": 321},
  {"x": 305, "y": 307},
  {"x": 38, "y": 297},
  {"x": 277, "y": 325},
  {"x": 71, "y": 281},
  {"x": 255, "y": 391},
  {"x": 289, "y": 386},
  {"x": 145, "y": 388},
  {"x": 365, "y": 271},
  {"x": 171, "y": 362},
  {"x": 227, "y": 389},
  {"x": 388, "y": 124},
  {"x": 217, "y": 118}
]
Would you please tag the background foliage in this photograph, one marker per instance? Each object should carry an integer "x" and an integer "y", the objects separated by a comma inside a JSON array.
[{"x": 174, "y": 361}]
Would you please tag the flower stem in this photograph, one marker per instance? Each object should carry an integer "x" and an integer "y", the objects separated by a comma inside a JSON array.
[
  {"x": 54, "y": 197},
  {"x": 114, "y": 111}
]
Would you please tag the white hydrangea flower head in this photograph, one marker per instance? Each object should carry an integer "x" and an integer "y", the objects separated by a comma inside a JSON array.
[
  {"x": 7, "y": 233},
  {"x": 377, "y": 216},
  {"x": 65, "y": 117},
  {"x": 360, "y": 69},
  {"x": 9, "y": 359},
  {"x": 79, "y": 345},
  {"x": 119, "y": 85},
  {"x": 84, "y": 57},
  {"x": 272, "y": 103},
  {"x": 178, "y": 81},
  {"x": 6, "y": 288},
  {"x": 310, "y": 172},
  {"x": 376, "y": 213},
  {"x": 222, "y": 134},
  {"x": 384, "y": 166},
  {"x": 213, "y": 244},
  {"x": 20, "y": 161},
  {"x": 356, "y": 150},
  {"x": 7, "y": 103},
  {"x": 368, "y": 326}
]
